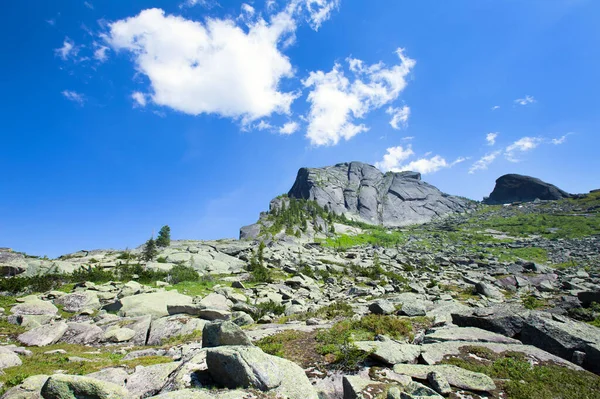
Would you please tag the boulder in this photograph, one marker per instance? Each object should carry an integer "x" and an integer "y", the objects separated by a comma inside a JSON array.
[
  {"x": 563, "y": 337},
  {"x": 248, "y": 366},
  {"x": 82, "y": 334},
  {"x": 358, "y": 387},
  {"x": 61, "y": 386},
  {"x": 223, "y": 333},
  {"x": 518, "y": 188},
  {"x": 469, "y": 334},
  {"x": 117, "y": 334},
  {"x": 34, "y": 307},
  {"x": 504, "y": 320},
  {"x": 414, "y": 390},
  {"x": 30, "y": 388},
  {"x": 390, "y": 352},
  {"x": 587, "y": 297},
  {"x": 382, "y": 307},
  {"x": 152, "y": 304},
  {"x": 488, "y": 291},
  {"x": 173, "y": 326},
  {"x": 8, "y": 358},
  {"x": 78, "y": 301},
  {"x": 114, "y": 375},
  {"x": 456, "y": 376},
  {"x": 44, "y": 335},
  {"x": 150, "y": 380}
]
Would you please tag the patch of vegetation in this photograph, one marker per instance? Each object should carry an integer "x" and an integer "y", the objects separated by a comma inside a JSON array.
[
  {"x": 164, "y": 237},
  {"x": 273, "y": 345},
  {"x": 198, "y": 287},
  {"x": 149, "y": 252},
  {"x": 520, "y": 380},
  {"x": 259, "y": 273},
  {"x": 531, "y": 302},
  {"x": 330, "y": 312},
  {"x": 271, "y": 307},
  {"x": 533, "y": 254},
  {"x": 374, "y": 236},
  {"x": 45, "y": 363},
  {"x": 181, "y": 273},
  {"x": 338, "y": 340}
]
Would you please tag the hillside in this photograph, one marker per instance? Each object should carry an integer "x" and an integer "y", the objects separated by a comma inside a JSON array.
[{"x": 320, "y": 304}]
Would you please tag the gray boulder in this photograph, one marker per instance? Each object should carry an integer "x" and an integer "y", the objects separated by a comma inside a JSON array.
[
  {"x": 390, "y": 352},
  {"x": 152, "y": 304},
  {"x": 44, "y": 335},
  {"x": 78, "y": 301},
  {"x": 34, "y": 307},
  {"x": 150, "y": 380},
  {"x": 173, "y": 326},
  {"x": 456, "y": 376},
  {"x": 82, "y": 334},
  {"x": 248, "y": 366},
  {"x": 60, "y": 386},
  {"x": 30, "y": 388},
  {"x": 223, "y": 333},
  {"x": 504, "y": 320},
  {"x": 563, "y": 337},
  {"x": 8, "y": 358},
  {"x": 382, "y": 307}
]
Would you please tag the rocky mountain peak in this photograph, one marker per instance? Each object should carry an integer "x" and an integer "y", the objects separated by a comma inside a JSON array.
[
  {"x": 519, "y": 188},
  {"x": 362, "y": 192}
]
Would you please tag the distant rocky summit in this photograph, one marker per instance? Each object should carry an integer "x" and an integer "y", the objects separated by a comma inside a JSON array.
[
  {"x": 363, "y": 193},
  {"x": 518, "y": 188}
]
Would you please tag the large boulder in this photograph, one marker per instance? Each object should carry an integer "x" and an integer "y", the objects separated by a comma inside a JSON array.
[
  {"x": 29, "y": 389},
  {"x": 8, "y": 358},
  {"x": 563, "y": 337},
  {"x": 518, "y": 188},
  {"x": 153, "y": 304},
  {"x": 224, "y": 333},
  {"x": 505, "y": 320},
  {"x": 150, "y": 380},
  {"x": 82, "y": 334},
  {"x": 34, "y": 307},
  {"x": 456, "y": 376},
  {"x": 173, "y": 326},
  {"x": 44, "y": 335},
  {"x": 390, "y": 352},
  {"x": 60, "y": 386},
  {"x": 248, "y": 366},
  {"x": 78, "y": 301}
]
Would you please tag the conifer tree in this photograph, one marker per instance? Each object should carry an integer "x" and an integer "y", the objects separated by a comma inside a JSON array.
[
  {"x": 164, "y": 237},
  {"x": 150, "y": 251}
]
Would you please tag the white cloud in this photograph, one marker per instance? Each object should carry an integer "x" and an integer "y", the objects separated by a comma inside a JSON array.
[
  {"x": 394, "y": 157},
  {"x": 247, "y": 8},
  {"x": 525, "y": 101},
  {"x": 484, "y": 162},
  {"x": 408, "y": 138},
  {"x": 67, "y": 50},
  {"x": 335, "y": 101},
  {"x": 289, "y": 128},
  {"x": 495, "y": 107},
  {"x": 100, "y": 53},
  {"x": 491, "y": 138},
  {"x": 522, "y": 145},
  {"x": 262, "y": 125},
  {"x": 139, "y": 98},
  {"x": 399, "y": 116},
  {"x": 88, "y": 5},
  {"x": 212, "y": 67},
  {"x": 561, "y": 139},
  {"x": 316, "y": 11},
  {"x": 203, "y": 3},
  {"x": 74, "y": 96}
]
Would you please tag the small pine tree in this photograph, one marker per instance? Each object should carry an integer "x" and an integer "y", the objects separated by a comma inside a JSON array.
[
  {"x": 164, "y": 237},
  {"x": 150, "y": 250}
]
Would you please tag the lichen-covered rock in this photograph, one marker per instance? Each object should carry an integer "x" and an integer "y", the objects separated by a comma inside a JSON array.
[
  {"x": 455, "y": 376},
  {"x": 60, "y": 386},
  {"x": 150, "y": 380},
  {"x": 223, "y": 333},
  {"x": 34, "y": 307},
  {"x": 44, "y": 335},
  {"x": 30, "y": 388},
  {"x": 152, "y": 304},
  {"x": 173, "y": 326},
  {"x": 78, "y": 301},
  {"x": 248, "y": 366},
  {"x": 8, "y": 358}
]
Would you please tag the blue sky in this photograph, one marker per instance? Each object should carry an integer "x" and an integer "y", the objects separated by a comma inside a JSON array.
[{"x": 120, "y": 117}]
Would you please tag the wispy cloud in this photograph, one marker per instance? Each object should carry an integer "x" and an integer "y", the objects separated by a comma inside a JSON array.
[
  {"x": 524, "y": 144},
  {"x": 525, "y": 101},
  {"x": 68, "y": 49},
  {"x": 395, "y": 158},
  {"x": 74, "y": 96},
  {"x": 495, "y": 107},
  {"x": 491, "y": 138},
  {"x": 139, "y": 99},
  {"x": 399, "y": 116},
  {"x": 561, "y": 140},
  {"x": 484, "y": 162},
  {"x": 289, "y": 128}
]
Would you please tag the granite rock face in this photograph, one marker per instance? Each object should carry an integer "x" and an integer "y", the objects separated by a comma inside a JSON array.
[
  {"x": 518, "y": 188},
  {"x": 362, "y": 192}
]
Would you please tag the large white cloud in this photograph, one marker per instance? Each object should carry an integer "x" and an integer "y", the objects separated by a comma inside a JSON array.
[
  {"x": 394, "y": 161},
  {"x": 212, "y": 67},
  {"x": 336, "y": 101}
]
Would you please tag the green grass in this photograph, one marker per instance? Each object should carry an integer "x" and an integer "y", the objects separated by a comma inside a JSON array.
[
  {"x": 202, "y": 286},
  {"x": 42, "y": 363},
  {"x": 332, "y": 311},
  {"x": 373, "y": 236},
  {"x": 514, "y": 374},
  {"x": 531, "y": 302},
  {"x": 546, "y": 225},
  {"x": 338, "y": 341},
  {"x": 274, "y": 344},
  {"x": 533, "y": 254}
]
